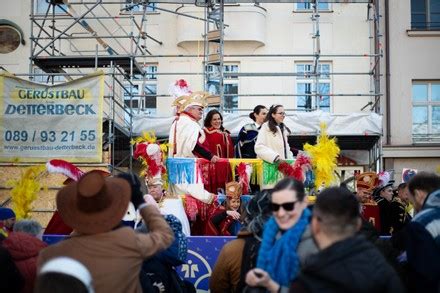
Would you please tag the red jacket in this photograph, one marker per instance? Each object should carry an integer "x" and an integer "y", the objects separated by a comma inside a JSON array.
[
  {"x": 24, "y": 249},
  {"x": 219, "y": 142}
]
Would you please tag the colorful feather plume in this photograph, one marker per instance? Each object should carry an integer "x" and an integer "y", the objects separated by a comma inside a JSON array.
[
  {"x": 63, "y": 167},
  {"x": 146, "y": 137},
  {"x": 384, "y": 178},
  {"x": 179, "y": 88},
  {"x": 297, "y": 169},
  {"x": 324, "y": 158},
  {"x": 244, "y": 171},
  {"x": 25, "y": 190},
  {"x": 152, "y": 156}
]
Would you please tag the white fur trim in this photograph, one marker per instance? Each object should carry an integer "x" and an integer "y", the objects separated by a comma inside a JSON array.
[{"x": 71, "y": 267}]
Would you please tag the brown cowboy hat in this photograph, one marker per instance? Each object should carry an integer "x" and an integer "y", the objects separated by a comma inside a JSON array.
[
  {"x": 104, "y": 174},
  {"x": 94, "y": 204}
]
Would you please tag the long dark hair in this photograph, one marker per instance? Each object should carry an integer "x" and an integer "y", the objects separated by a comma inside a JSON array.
[
  {"x": 207, "y": 122},
  {"x": 289, "y": 183},
  {"x": 256, "y": 111},
  {"x": 257, "y": 212},
  {"x": 271, "y": 121}
]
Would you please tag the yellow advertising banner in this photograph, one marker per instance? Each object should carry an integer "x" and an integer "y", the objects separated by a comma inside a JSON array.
[{"x": 40, "y": 122}]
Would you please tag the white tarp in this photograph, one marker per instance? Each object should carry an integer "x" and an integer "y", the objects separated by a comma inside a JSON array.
[{"x": 300, "y": 123}]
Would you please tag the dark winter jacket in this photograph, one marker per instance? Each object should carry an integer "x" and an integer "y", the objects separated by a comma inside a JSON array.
[
  {"x": 423, "y": 246},
  {"x": 351, "y": 265},
  {"x": 10, "y": 278},
  {"x": 24, "y": 249},
  {"x": 393, "y": 216}
]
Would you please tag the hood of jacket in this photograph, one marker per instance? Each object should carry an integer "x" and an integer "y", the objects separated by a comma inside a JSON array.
[
  {"x": 351, "y": 265},
  {"x": 22, "y": 246},
  {"x": 432, "y": 200}
]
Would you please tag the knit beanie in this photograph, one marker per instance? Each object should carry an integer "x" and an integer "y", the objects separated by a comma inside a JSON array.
[{"x": 6, "y": 213}]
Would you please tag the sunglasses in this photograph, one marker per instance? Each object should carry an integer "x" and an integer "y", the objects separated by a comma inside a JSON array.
[
  {"x": 281, "y": 113},
  {"x": 287, "y": 206}
]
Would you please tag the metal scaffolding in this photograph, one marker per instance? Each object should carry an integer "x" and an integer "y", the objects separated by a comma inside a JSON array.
[{"x": 121, "y": 53}]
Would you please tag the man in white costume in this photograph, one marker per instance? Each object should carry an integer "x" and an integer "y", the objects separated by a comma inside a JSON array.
[
  {"x": 186, "y": 141},
  {"x": 167, "y": 205}
]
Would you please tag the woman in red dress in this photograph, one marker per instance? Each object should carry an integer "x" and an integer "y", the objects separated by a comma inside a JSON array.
[{"x": 217, "y": 137}]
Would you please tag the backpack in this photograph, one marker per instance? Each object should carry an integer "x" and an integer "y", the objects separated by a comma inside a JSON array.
[{"x": 156, "y": 276}]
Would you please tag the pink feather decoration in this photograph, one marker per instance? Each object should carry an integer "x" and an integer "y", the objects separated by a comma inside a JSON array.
[
  {"x": 179, "y": 88},
  {"x": 384, "y": 178},
  {"x": 153, "y": 168},
  {"x": 296, "y": 170},
  {"x": 244, "y": 178},
  {"x": 64, "y": 167}
]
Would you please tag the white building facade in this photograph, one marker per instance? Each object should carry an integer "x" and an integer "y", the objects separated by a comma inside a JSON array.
[
  {"x": 413, "y": 122},
  {"x": 271, "y": 49}
]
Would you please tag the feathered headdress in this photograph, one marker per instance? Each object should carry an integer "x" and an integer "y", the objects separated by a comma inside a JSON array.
[
  {"x": 179, "y": 88},
  {"x": 63, "y": 167},
  {"x": 385, "y": 179},
  {"x": 152, "y": 156},
  {"x": 184, "y": 97},
  {"x": 324, "y": 158},
  {"x": 384, "y": 182},
  {"x": 72, "y": 172}
]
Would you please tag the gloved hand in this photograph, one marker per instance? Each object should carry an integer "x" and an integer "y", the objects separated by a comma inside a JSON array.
[{"x": 135, "y": 184}]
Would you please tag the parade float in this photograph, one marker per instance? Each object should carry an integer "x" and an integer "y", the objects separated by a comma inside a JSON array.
[{"x": 78, "y": 138}]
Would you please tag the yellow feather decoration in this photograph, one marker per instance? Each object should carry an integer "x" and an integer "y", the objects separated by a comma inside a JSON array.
[
  {"x": 150, "y": 137},
  {"x": 324, "y": 158},
  {"x": 147, "y": 136},
  {"x": 25, "y": 190}
]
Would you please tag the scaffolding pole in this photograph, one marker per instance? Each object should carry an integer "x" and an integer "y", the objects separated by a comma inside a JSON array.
[
  {"x": 317, "y": 53},
  {"x": 213, "y": 19}
]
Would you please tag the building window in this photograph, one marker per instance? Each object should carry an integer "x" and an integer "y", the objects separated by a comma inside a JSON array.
[
  {"x": 134, "y": 92},
  {"x": 41, "y": 7},
  {"x": 150, "y": 72},
  {"x": 305, "y": 84},
  {"x": 309, "y": 6},
  {"x": 144, "y": 93},
  {"x": 137, "y": 9},
  {"x": 230, "y": 81},
  {"x": 42, "y": 77},
  {"x": 425, "y": 14},
  {"x": 150, "y": 98},
  {"x": 426, "y": 111}
]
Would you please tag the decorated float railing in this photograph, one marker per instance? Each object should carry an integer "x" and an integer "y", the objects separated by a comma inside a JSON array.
[
  {"x": 315, "y": 166},
  {"x": 255, "y": 172}
]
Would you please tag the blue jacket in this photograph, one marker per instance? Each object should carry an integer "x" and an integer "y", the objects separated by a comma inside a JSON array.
[
  {"x": 176, "y": 253},
  {"x": 423, "y": 246}
]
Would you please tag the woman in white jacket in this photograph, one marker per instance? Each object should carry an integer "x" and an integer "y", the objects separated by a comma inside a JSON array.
[{"x": 272, "y": 145}]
